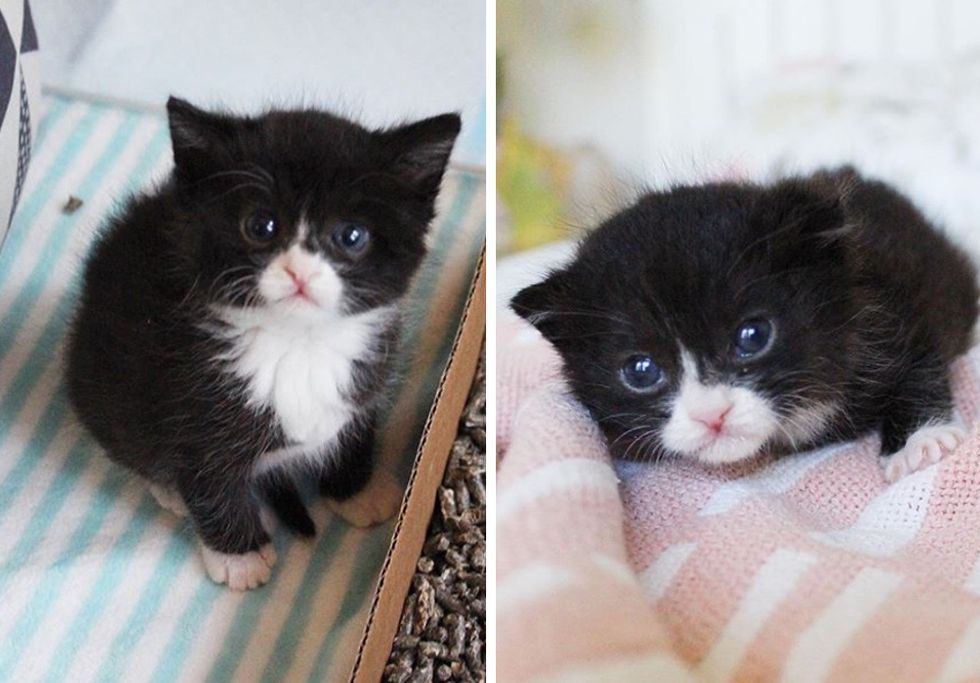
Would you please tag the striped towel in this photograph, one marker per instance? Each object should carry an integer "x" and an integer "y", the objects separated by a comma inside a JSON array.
[
  {"x": 809, "y": 568},
  {"x": 98, "y": 583}
]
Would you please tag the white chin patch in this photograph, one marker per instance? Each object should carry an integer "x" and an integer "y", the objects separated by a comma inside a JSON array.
[
  {"x": 748, "y": 424},
  {"x": 321, "y": 287}
]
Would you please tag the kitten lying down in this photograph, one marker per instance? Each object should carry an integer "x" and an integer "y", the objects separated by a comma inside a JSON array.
[
  {"x": 236, "y": 325},
  {"x": 714, "y": 322}
]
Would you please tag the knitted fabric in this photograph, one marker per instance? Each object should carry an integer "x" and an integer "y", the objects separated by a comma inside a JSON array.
[{"x": 806, "y": 568}]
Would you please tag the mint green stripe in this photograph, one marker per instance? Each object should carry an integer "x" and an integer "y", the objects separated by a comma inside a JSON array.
[
  {"x": 42, "y": 438},
  {"x": 421, "y": 296},
  {"x": 54, "y": 114},
  {"x": 245, "y": 620},
  {"x": 53, "y": 247},
  {"x": 291, "y": 632},
  {"x": 25, "y": 219},
  {"x": 181, "y": 547},
  {"x": 370, "y": 554},
  {"x": 184, "y": 636},
  {"x": 43, "y": 352},
  {"x": 111, "y": 573},
  {"x": 54, "y": 576},
  {"x": 51, "y": 503},
  {"x": 50, "y": 422}
]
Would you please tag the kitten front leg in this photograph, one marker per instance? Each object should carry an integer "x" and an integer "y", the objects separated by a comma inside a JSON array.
[
  {"x": 353, "y": 488},
  {"x": 919, "y": 428},
  {"x": 236, "y": 548}
]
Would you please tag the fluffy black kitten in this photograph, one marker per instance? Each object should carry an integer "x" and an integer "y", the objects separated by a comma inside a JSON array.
[
  {"x": 716, "y": 321},
  {"x": 240, "y": 320}
]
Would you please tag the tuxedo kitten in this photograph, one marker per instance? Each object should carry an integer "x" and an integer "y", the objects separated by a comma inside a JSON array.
[
  {"x": 238, "y": 323},
  {"x": 717, "y": 321}
]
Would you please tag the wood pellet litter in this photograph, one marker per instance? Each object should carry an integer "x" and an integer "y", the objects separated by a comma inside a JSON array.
[
  {"x": 72, "y": 205},
  {"x": 442, "y": 632}
]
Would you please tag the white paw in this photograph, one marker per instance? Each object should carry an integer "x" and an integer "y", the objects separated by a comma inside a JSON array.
[
  {"x": 169, "y": 499},
  {"x": 926, "y": 446},
  {"x": 240, "y": 572},
  {"x": 378, "y": 502}
]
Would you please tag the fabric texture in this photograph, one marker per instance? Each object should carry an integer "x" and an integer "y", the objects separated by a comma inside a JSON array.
[
  {"x": 20, "y": 87},
  {"x": 99, "y": 583},
  {"x": 807, "y": 568}
]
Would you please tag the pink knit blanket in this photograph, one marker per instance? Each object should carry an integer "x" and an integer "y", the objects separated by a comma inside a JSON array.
[{"x": 808, "y": 568}]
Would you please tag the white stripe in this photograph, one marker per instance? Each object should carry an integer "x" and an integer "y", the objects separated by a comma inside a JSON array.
[
  {"x": 964, "y": 662},
  {"x": 69, "y": 261},
  {"x": 890, "y": 521},
  {"x": 43, "y": 157},
  {"x": 75, "y": 592},
  {"x": 30, "y": 251},
  {"x": 773, "y": 582},
  {"x": 660, "y": 666},
  {"x": 776, "y": 479},
  {"x": 532, "y": 582},
  {"x": 561, "y": 476},
  {"x": 345, "y": 648},
  {"x": 819, "y": 646},
  {"x": 657, "y": 578},
  {"x": 280, "y": 605},
  {"x": 79, "y": 575},
  {"x": 328, "y": 599},
  {"x": 156, "y": 635}
]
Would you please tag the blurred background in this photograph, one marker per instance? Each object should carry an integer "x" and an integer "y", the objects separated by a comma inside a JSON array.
[
  {"x": 344, "y": 54},
  {"x": 597, "y": 99}
]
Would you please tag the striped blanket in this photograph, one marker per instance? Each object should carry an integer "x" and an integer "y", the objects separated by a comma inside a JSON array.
[
  {"x": 809, "y": 568},
  {"x": 99, "y": 583}
]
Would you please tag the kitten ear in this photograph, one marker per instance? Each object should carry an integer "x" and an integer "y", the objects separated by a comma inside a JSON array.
[
  {"x": 539, "y": 303},
  {"x": 813, "y": 210},
  {"x": 420, "y": 151},
  {"x": 196, "y": 135}
]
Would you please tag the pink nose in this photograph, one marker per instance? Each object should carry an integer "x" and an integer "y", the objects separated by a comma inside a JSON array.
[
  {"x": 715, "y": 419},
  {"x": 297, "y": 280}
]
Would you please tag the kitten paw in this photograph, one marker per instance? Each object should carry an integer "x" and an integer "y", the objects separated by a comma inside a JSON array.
[
  {"x": 375, "y": 503},
  {"x": 926, "y": 446},
  {"x": 240, "y": 572},
  {"x": 169, "y": 499}
]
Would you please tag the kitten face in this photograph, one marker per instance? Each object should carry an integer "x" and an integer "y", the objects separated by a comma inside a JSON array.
[
  {"x": 301, "y": 212},
  {"x": 707, "y": 322}
]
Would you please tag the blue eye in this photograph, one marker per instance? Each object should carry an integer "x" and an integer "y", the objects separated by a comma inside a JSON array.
[
  {"x": 752, "y": 338},
  {"x": 351, "y": 237},
  {"x": 641, "y": 373}
]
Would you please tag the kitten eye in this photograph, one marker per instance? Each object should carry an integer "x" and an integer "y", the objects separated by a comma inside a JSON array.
[
  {"x": 351, "y": 237},
  {"x": 640, "y": 373},
  {"x": 752, "y": 338},
  {"x": 260, "y": 227}
]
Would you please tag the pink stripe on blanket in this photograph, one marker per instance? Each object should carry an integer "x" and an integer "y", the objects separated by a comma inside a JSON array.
[{"x": 810, "y": 567}]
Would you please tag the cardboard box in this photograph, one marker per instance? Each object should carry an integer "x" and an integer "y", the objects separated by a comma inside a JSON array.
[{"x": 427, "y": 473}]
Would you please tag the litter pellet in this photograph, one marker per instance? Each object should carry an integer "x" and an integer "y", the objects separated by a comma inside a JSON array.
[
  {"x": 442, "y": 631},
  {"x": 72, "y": 205}
]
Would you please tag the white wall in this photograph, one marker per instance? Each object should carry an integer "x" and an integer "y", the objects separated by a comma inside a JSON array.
[{"x": 381, "y": 60}]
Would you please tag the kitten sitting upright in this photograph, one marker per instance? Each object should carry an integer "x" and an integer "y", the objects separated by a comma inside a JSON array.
[
  {"x": 717, "y": 321},
  {"x": 239, "y": 322}
]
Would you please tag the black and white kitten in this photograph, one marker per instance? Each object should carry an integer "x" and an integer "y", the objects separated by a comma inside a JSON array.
[
  {"x": 239, "y": 321},
  {"x": 718, "y": 321}
]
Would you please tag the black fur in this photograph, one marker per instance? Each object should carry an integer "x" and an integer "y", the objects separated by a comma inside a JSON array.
[
  {"x": 870, "y": 303},
  {"x": 142, "y": 370}
]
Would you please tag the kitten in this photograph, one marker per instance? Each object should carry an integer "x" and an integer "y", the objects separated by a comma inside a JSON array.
[
  {"x": 714, "y": 322},
  {"x": 238, "y": 323}
]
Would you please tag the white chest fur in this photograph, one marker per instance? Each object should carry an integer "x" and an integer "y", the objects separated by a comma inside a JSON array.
[{"x": 301, "y": 368}]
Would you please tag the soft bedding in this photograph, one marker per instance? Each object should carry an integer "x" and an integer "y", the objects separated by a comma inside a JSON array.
[
  {"x": 98, "y": 582},
  {"x": 808, "y": 568}
]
